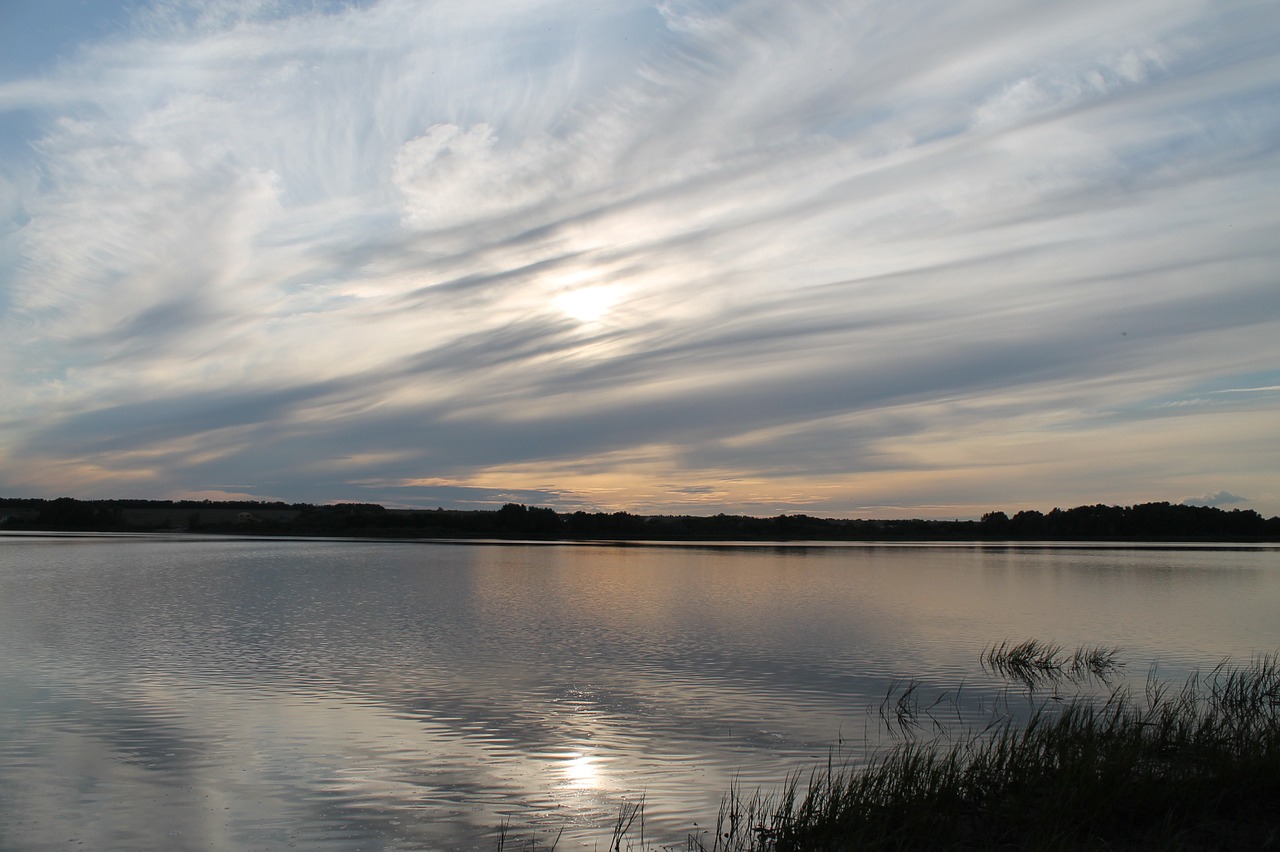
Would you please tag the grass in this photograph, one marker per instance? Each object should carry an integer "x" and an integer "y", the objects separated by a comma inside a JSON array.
[
  {"x": 1194, "y": 767},
  {"x": 1034, "y": 662},
  {"x": 903, "y": 710}
]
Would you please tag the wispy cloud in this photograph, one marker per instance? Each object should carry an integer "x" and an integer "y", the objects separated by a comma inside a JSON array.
[
  {"x": 1267, "y": 389},
  {"x": 821, "y": 254},
  {"x": 1222, "y": 498}
]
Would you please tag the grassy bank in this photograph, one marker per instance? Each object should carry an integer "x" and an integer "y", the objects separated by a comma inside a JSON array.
[{"x": 1195, "y": 768}]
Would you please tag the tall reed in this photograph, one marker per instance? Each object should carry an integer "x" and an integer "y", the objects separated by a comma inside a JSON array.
[
  {"x": 1196, "y": 768},
  {"x": 1034, "y": 662}
]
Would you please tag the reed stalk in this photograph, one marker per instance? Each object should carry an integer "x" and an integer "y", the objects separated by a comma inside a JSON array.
[{"x": 1195, "y": 768}]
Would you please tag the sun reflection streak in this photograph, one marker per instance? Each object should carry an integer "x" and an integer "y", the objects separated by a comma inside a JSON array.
[{"x": 582, "y": 770}]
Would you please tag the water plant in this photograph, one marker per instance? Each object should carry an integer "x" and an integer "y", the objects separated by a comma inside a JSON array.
[
  {"x": 1034, "y": 662},
  {"x": 903, "y": 709},
  {"x": 1193, "y": 768}
]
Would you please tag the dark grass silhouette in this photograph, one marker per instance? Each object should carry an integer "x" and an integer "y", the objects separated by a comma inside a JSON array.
[
  {"x": 1193, "y": 768},
  {"x": 1034, "y": 662}
]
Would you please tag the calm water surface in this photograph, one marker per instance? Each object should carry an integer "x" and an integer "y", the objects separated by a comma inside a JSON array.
[{"x": 190, "y": 694}]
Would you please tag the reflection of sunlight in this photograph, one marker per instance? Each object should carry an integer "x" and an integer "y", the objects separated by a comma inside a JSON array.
[{"x": 581, "y": 770}]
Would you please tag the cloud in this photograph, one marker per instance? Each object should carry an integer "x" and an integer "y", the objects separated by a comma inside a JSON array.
[
  {"x": 1263, "y": 389},
  {"x": 450, "y": 176},
  {"x": 219, "y": 496},
  {"x": 856, "y": 245},
  {"x": 1222, "y": 498}
]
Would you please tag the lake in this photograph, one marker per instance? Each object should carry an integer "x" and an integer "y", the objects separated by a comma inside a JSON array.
[{"x": 188, "y": 693}]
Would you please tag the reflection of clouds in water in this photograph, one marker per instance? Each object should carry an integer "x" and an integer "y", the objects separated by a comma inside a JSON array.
[
  {"x": 288, "y": 766},
  {"x": 353, "y": 693}
]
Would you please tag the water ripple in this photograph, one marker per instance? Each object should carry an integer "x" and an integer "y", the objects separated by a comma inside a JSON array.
[{"x": 341, "y": 695}]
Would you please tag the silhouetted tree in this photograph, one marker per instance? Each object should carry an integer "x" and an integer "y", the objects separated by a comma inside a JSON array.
[
  {"x": 1027, "y": 524},
  {"x": 66, "y": 513},
  {"x": 995, "y": 523}
]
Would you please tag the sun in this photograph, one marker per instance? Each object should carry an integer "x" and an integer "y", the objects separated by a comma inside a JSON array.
[{"x": 588, "y": 304}]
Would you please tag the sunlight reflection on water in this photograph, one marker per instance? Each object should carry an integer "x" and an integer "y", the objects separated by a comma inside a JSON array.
[{"x": 235, "y": 694}]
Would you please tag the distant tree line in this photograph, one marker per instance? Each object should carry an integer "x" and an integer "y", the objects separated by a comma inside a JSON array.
[{"x": 1145, "y": 521}]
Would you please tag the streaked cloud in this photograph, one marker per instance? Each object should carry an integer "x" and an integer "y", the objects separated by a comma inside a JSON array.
[
  {"x": 1222, "y": 498},
  {"x": 814, "y": 256}
]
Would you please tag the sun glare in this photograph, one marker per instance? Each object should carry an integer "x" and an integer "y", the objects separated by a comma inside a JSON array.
[
  {"x": 581, "y": 770},
  {"x": 587, "y": 304}
]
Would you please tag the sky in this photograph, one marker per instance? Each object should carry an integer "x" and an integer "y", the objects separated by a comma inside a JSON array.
[{"x": 848, "y": 259}]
